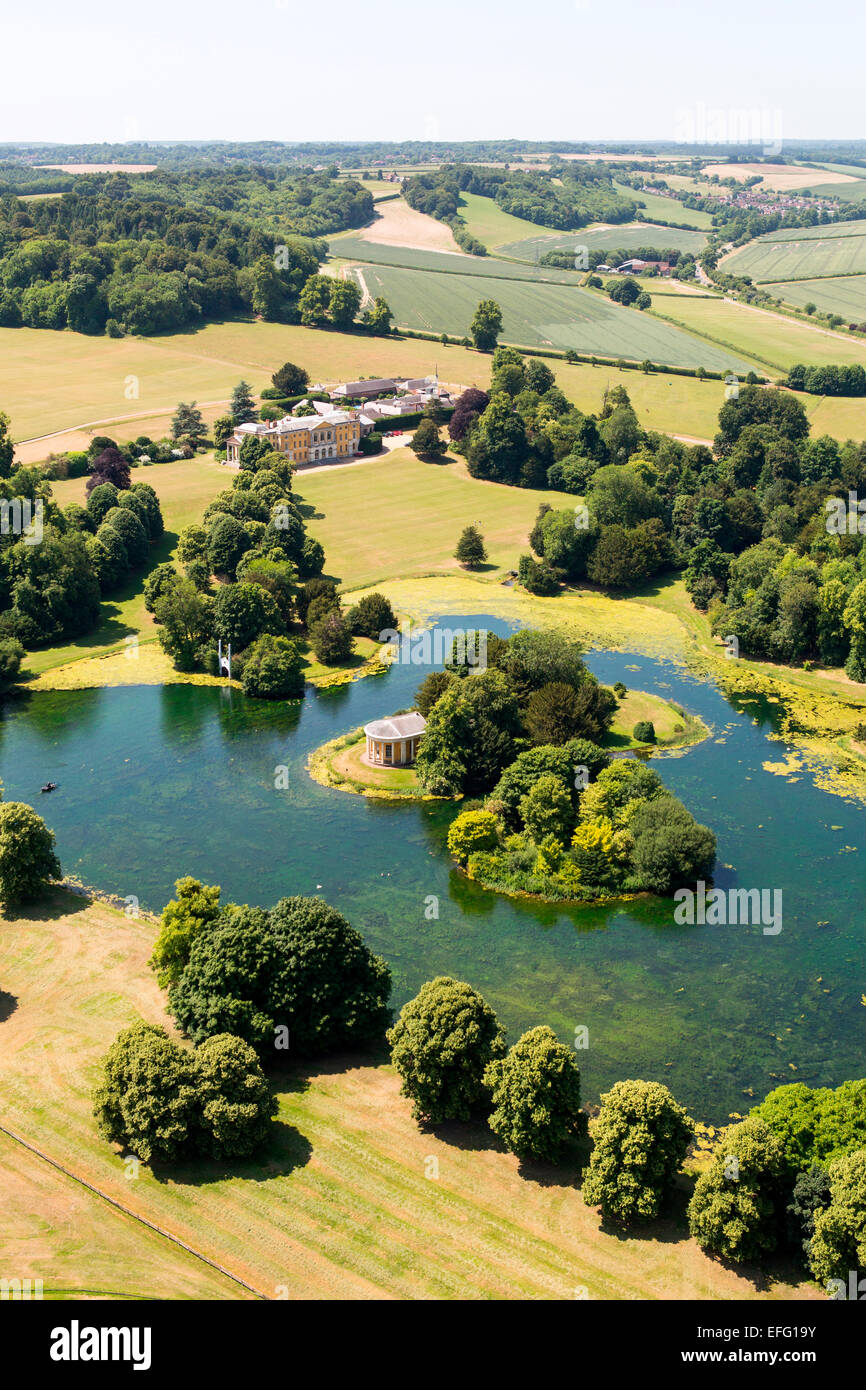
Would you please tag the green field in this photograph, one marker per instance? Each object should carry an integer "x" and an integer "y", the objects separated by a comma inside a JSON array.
[
  {"x": 485, "y": 220},
  {"x": 444, "y": 263},
  {"x": 813, "y": 252},
  {"x": 845, "y": 295},
  {"x": 540, "y": 315},
  {"x": 340, "y": 1206},
  {"x": 628, "y": 237},
  {"x": 772, "y": 341}
]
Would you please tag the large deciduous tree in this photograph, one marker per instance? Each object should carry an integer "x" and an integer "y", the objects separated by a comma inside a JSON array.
[
  {"x": 639, "y": 1142},
  {"x": 441, "y": 1045},
  {"x": 535, "y": 1091}
]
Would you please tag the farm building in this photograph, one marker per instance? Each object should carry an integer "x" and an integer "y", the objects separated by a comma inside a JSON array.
[{"x": 394, "y": 742}]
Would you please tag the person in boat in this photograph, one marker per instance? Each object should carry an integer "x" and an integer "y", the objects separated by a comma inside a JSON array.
[{"x": 49, "y": 786}]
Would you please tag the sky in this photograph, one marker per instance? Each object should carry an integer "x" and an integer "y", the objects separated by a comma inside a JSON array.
[{"x": 461, "y": 69}]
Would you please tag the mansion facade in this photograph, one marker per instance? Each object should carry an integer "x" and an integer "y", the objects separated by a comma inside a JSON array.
[{"x": 305, "y": 439}]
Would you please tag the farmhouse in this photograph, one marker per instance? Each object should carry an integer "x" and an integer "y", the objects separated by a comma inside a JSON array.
[
  {"x": 305, "y": 439},
  {"x": 394, "y": 742}
]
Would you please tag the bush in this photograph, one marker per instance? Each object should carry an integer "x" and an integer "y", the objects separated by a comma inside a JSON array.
[
  {"x": 535, "y": 1092},
  {"x": 441, "y": 1046},
  {"x": 11, "y": 656},
  {"x": 471, "y": 831},
  {"x": 274, "y": 669},
  {"x": 670, "y": 847},
  {"x": 27, "y": 858},
  {"x": 644, "y": 731}
]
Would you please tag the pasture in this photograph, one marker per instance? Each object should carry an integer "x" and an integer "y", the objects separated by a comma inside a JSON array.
[
  {"x": 657, "y": 208},
  {"x": 541, "y": 315},
  {"x": 340, "y": 1206}
]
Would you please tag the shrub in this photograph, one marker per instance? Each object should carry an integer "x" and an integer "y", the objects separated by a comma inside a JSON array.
[
  {"x": 441, "y": 1046},
  {"x": 839, "y": 1242},
  {"x": 331, "y": 638},
  {"x": 471, "y": 831},
  {"x": 644, "y": 731},
  {"x": 11, "y": 656},
  {"x": 371, "y": 616}
]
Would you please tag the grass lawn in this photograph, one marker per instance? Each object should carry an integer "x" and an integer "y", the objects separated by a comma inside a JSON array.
[
  {"x": 485, "y": 220},
  {"x": 397, "y": 516},
  {"x": 340, "y": 1206}
]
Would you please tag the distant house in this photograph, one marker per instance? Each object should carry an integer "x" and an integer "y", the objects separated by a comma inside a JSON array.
[{"x": 394, "y": 742}]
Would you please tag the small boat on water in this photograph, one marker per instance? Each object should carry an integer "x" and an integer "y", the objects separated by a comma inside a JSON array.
[{"x": 49, "y": 787}]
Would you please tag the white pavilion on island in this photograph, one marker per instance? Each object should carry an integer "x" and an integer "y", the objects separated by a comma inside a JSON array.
[{"x": 394, "y": 742}]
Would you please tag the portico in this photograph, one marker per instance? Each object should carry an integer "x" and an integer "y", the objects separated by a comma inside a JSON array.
[{"x": 394, "y": 742}]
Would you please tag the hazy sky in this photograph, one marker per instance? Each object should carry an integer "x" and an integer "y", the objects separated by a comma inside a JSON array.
[{"x": 570, "y": 69}]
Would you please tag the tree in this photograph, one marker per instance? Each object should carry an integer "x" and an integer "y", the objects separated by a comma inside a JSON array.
[
  {"x": 471, "y": 551},
  {"x": 185, "y": 619},
  {"x": 467, "y": 410},
  {"x": 839, "y": 1241},
  {"x": 470, "y": 736},
  {"x": 535, "y": 1091},
  {"x": 470, "y": 832},
  {"x": 131, "y": 532},
  {"x": 529, "y": 766},
  {"x": 158, "y": 583},
  {"x": 557, "y": 713},
  {"x": 242, "y": 407},
  {"x": 738, "y": 1204},
  {"x": 182, "y": 919},
  {"x": 274, "y": 669},
  {"x": 426, "y": 441},
  {"x": 331, "y": 638},
  {"x": 242, "y": 612},
  {"x": 486, "y": 325},
  {"x": 27, "y": 858},
  {"x": 109, "y": 466},
  {"x": 345, "y": 301},
  {"x": 227, "y": 542},
  {"x": 315, "y": 301},
  {"x": 670, "y": 847},
  {"x": 300, "y": 966},
  {"x": 377, "y": 319},
  {"x": 639, "y": 1142},
  {"x": 644, "y": 731},
  {"x": 11, "y": 656},
  {"x": 291, "y": 380},
  {"x": 146, "y": 1099},
  {"x": 233, "y": 1098},
  {"x": 188, "y": 421},
  {"x": 430, "y": 690},
  {"x": 371, "y": 616},
  {"x": 223, "y": 426},
  {"x": 441, "y": 1046},
  {"x": 7, "y": 448},
  {"x": 547, "y": 810}
]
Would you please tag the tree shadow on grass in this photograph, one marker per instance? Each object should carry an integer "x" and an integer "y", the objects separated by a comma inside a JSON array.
[
  {"x": 286, "y": 1150},
  {"x": 8, "y": 1004},
  {"x": 57, "y": 902}
]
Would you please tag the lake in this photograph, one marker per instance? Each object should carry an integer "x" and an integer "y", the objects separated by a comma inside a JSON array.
[{"x": 158, "y": 782}]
